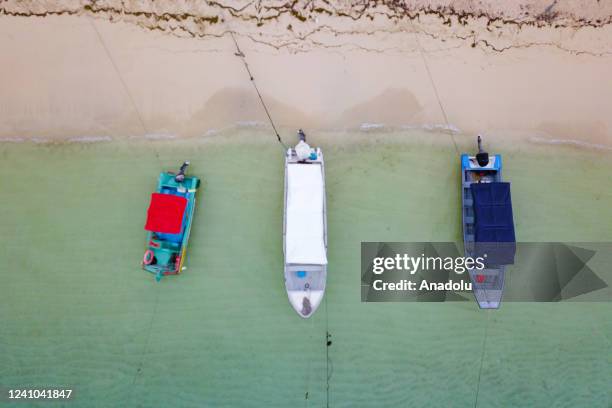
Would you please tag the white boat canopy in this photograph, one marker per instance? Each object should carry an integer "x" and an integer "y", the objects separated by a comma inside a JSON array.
[{"x": 305, "y": 241}]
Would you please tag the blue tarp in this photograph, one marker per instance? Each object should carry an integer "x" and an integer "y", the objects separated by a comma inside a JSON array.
[{"x": 493, "y": 221}]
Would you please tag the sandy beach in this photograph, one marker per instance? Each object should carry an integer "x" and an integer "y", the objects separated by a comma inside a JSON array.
[{"x": 144, "y": 69}]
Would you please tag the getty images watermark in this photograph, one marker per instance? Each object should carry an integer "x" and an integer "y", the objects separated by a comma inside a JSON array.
[
  {"x": 442, "y": 271},
  {"x": 413, "y": 264}
]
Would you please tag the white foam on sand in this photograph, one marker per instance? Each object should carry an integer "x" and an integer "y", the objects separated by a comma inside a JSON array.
[
  {"x": 90, "y": 139},
  {"x": 154, "y": 136},
  {"x": 437, "y": 126},
  {"x": 249, "y": 124},
  {"x": 366, "y": 127},
  {"x": 570, "y": 142},
  {"x": 160, "y": 136},
  {"x": 12, "y": 140}
]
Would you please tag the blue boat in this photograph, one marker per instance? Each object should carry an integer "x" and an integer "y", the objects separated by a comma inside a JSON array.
[
  {"x": 488, "y": 226},
  {"x": 169, "y": 220}
]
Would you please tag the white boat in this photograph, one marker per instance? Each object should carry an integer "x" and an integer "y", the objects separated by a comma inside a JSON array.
[{"x": 305, "y": 228}]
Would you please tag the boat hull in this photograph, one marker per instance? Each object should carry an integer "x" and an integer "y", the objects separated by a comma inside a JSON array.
[
  {"x": 166, "y": 253},
  {"x": 487, "y": 284},
  {"x": 305, "y": 274}
]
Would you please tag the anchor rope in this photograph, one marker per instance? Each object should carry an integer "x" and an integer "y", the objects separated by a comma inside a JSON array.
[
  {"x": 149, "y": 329},
  {"x": 435, "y": 89},
  {"x": 307, "y": 393},
  {"x": 482, "y": 353},
  {"x": 242, "y": 56},
  {"x": 329, "y": 367},
  {"x": 148, "y": 336},
  {"x": 125, "y": 88}
]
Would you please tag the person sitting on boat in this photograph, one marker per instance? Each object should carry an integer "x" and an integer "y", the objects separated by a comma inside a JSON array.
[
  {"x": 302, "y": 149},
  {"x": 306, "y": 307}
]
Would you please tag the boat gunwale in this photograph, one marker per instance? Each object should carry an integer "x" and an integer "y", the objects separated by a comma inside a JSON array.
[
  {"x": 195, "y": 182},
  {"x": 291, "y": 159},
  {"x": 497, "y": 270}
]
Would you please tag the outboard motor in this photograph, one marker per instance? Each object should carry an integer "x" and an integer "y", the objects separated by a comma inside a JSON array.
[
  {"x": 181, "y": 174},
  {"x": 482, "y": 157}
]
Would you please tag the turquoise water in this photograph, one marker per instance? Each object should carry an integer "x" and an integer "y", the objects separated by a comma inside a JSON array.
[{"x": 77, "y": 310}]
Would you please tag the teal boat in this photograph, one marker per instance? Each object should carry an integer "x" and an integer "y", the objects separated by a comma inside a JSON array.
[{"x": 169, "y": 220}]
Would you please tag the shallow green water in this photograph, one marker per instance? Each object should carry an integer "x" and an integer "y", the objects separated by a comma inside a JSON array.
[{"x": 78, "y": 311}]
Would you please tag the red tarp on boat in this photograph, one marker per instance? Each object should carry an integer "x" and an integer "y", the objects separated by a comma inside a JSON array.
[{"x": 166, "y": 213}]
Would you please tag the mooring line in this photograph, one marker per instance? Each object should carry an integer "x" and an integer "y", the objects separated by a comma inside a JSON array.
[
  {"x": 329, "y": 367},
  {"x": 435, "y": 89},
  {"x": 242, "y": 56},
  {"x": 125, "y": 87},
  {"x": 149, "y": 331},
  {"x": 307, "y": 393},
  {"x": 484, "y": 345}
]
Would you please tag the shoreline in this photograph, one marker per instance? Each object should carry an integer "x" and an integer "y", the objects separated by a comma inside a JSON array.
[{"x": 258, "y": 134}]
